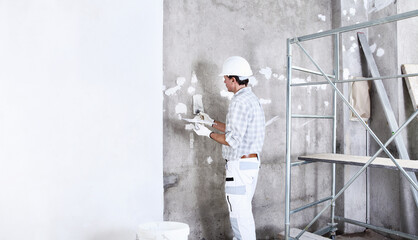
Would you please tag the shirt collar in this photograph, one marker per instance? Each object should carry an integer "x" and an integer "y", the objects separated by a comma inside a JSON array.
[{"x": 242, "y": 90}]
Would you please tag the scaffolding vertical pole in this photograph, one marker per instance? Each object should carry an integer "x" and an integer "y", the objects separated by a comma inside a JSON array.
[
  {"x": 334, "y": 121},
  {"x": 288, "y": 139}
]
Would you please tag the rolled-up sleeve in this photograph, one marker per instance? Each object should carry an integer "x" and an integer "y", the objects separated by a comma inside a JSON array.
[{"x": 236, "y": 125}]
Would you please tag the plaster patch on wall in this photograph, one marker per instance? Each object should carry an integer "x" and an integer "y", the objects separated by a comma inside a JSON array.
[
  {"x": 322, "y": 17},
  {"x": 373, "y": 47},
  {"x": 275, "y": 75},
  {"x": 209, "y": 160},
  {"x": 265, "y": 101},
  {"x": 191, "y": 90},
  {"x": 180, "y": 81},
  {"x": 344, "y": 12},
  {"x": 191, "y": 135},
  {"x": 352, "y": 11},
  {"x": 194, "y": 77},
  {"x": 181, "y": 109},
  {"x": 308, "y": 137},
  {"x": 298, "y": 80},
  {"x": 172, "y": 90},
  {"x": 380, "y": 52},
  {"x": 346, "y": 73},
  {"x": 266, "y": 72},
  {"x": 226, "y": 94},
  {"x": 253, "y": 81},
  {"x": 353, "y": 47},
  {"x": 378, "y": 5},
  {"x": 271, "y": 120},
  {"x": 326, "y": 103},
  {"x": 189, "y": 126},
  {"x": 281, "y": 77}
]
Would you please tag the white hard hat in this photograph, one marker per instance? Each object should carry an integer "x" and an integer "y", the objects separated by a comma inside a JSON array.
[{"x": 237, "y": 66}]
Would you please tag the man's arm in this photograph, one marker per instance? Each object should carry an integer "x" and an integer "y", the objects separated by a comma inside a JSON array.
[
  {"x": 219, "y": 126},
  {"x": 218, "y": 137}
]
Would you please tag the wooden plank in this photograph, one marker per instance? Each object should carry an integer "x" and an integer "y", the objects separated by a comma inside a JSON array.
[
  {"x": 306, "y": 236},
  {"x": 411, "y": 82},
  {"x": 408, "y": 165}
]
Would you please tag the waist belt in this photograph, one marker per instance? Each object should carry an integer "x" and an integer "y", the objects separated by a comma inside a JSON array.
[{"x": 252, "y": 155}]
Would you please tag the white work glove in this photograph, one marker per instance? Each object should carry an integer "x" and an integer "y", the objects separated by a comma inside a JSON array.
[
  {"x": 201, "y": 130},
  {"x": 205, "y": 117}
]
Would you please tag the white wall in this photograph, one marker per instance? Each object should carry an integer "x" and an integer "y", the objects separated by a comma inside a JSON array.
[{"x": 80, "y": 118}]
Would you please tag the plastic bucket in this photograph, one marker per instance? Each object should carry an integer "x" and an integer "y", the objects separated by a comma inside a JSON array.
[{"x": 163, "y": 231}]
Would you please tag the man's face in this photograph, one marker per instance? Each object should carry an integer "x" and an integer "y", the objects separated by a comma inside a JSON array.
[{"x": 229, "y": 83}]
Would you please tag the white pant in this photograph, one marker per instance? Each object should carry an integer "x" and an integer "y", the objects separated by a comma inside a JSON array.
[{"x": 241, "y": 180}]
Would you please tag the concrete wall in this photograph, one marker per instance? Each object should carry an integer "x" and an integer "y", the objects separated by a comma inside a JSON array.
[
  {"x": 198, "y": 37},
  {"x": 80, "y": 118}
]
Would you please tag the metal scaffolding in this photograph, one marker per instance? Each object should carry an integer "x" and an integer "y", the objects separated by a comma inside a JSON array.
[{"x": 332, "y": 80}]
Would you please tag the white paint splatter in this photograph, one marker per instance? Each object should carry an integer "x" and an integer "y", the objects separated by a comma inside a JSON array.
[
  {"x": 209, "y": 160},
  {"x": 191, "y": 90},
  {"x": 353, "y": 47},
  {"x": 266, "y": 72},
  {"x": 194, "y": 78},
  {"x": 308, "y": 137},
  {"x": 380, "y": 52},
  {"x": 373, "y": 47},
  {"x": 298, "y": 80},
  {"x": 189, "y": 126},
  {"x": 322, "y": 17},
  {"x": 343, "y": 48},
  {"x": 348, "y": 18},
  {"x": 352, "y": 38},
  {"x": 180, "y": 81},
  {"x": 265, "y": 101},
  {"x": 275, "y": 75},
  {"x": 271, "y": 120},
  {"x": 172, "y": 90},
  {"x": 191, "y": 135},
  {"x": 344, "y": 12},
  {"x": 281, "y": 77},
  {"x": 181, "y": 108},
  {"x": 380, "y": 4},
  {"x": 346, "y": 73},
  {"x": 299, "y": 107},
  {"x": 352, "y": 11},
  {"x": 253, "y": 81},
  {"x": 326, "y": 103},
  {"x": 226, "y": 94}
]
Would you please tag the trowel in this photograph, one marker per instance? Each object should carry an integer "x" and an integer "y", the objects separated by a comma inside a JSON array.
[{"x": 197, "y": 108}]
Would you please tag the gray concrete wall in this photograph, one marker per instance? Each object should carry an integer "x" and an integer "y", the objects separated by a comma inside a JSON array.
[{"x": 198, "y": 37}]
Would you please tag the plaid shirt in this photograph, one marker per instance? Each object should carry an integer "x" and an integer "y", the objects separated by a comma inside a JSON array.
[{"x": 245, "y": 126}]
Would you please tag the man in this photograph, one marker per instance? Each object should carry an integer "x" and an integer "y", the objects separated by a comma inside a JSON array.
[{"x": 242, "y": 140}]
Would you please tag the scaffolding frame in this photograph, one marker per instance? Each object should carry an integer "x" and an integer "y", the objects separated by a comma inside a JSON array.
[{"x": 336, "y": 92}]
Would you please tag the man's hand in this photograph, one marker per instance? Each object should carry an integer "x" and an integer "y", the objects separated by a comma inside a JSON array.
[
  {"x": 201, "y": 130},
  {"x": 205, "y": 117}
]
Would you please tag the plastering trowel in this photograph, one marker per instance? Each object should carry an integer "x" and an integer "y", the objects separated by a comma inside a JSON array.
[{"x": 197, "y": 104}]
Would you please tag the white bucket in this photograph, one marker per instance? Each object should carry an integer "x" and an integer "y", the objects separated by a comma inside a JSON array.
[{"x": 163, "y": 231}]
